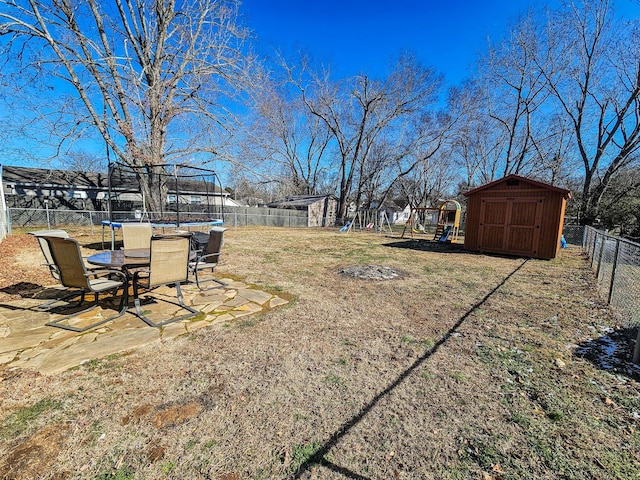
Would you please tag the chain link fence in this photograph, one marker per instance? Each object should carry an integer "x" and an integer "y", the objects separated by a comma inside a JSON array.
[
  {"x": 573, "y": 234},
  {"x": 232, "y": 217},
  {"x": 616, "y": 262}
]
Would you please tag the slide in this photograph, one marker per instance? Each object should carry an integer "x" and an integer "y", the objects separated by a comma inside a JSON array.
[
  {"x": 445, "y": 234},
  {"x": 346, "y": 227}
]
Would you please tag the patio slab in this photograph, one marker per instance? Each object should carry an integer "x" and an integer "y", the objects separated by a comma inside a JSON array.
[{"x": 26, "y": 342}]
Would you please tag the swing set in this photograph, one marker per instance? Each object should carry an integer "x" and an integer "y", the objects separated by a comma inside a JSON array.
[
  {"x": 446, "y": 217},
  {"x": 369, "y": 220}
]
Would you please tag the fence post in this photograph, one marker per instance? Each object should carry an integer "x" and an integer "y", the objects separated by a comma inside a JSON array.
[
  {"x": 613, "y": 271},
  {"x": 46, "y": 206},
  {"x": 593, "y": 238},
  {"x": 602, "y": 242}
]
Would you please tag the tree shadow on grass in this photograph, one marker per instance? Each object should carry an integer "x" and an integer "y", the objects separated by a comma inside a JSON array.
[
  {"x": 613, "y": 352},
  {"x": 319, "y": 457}
]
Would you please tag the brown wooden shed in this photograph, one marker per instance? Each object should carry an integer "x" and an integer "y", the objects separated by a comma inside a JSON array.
[{"x": 515, "y": 216}]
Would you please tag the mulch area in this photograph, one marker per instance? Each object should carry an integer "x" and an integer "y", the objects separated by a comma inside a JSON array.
[{"x": 22, "y": 272}]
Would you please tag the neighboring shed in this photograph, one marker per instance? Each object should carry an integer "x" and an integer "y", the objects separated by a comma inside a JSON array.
[
  {"x": 515, "y": 216},
  {"x": 321, "y": 209}
]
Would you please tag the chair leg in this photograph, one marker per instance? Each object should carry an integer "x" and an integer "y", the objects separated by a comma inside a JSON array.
[
  {"x": 122, "y": 310},
  {"x": 198, "y": 282},
  {"x": 50, "y": 304},
  {"x": 136, "y": 301}
]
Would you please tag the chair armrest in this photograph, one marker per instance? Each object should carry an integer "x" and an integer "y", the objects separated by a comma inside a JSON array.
[
  {"x": 202, "y": 257},
  {"x": 107, "y": 271},
  {"x": 201, "y": 260},
  {"x": 136, "y": 275}
]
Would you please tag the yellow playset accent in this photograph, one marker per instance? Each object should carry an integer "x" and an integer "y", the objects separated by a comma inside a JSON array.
[{"x": 447, "y": 225}]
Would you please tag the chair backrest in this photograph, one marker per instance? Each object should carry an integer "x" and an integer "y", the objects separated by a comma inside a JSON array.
[
  {"x": 169, "y": 260},
  {"x": 136, "y": 235},
  {"x": 214, "y": 245},
  {"x": 68, "y": 261},
  {"x": 46, "y": 251}
]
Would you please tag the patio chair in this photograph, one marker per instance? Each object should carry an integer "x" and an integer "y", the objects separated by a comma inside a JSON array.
[
  {"x": 168, "y": 265},
  {"x": 209, "y": 257},
  {"x": 136, "y": 235},
  {"x": 50, "y": 264},
  {"x": 46, "y": 252},
  {"x": 70, "y": 266}
]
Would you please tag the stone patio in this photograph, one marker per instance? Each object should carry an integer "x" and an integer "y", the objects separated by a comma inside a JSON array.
[{"x": 26, "y": 342}]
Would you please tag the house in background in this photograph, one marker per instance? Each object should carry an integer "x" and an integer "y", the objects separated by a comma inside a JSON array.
[
  {"x": 321, "y": 209},
  {"x": 33, "y": 187},
  {"x": 393, "y": 212}
]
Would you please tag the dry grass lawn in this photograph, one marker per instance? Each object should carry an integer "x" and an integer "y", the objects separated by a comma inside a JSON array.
[{"x": 465, "y": 367}]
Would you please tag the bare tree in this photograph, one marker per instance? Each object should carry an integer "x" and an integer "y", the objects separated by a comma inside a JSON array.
[
  {"x": 149, "y": 76},
  {"x": 592, "y": 67},
  {"x": 285, "y": 141},
  {"x": 430, "y": 181},
  {"x": 82, "y": 161},
  {"x": 513, "y": 90},
  {"x": 476, "y": 142},
  {"x": 360, "y": 111}
]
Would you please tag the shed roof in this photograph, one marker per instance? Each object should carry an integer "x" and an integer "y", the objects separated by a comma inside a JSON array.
[{"x": 564, "y": 192}]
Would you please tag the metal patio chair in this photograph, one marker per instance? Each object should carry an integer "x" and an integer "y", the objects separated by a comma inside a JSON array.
[
  {"x": 209, "y": 257},
  {"x": 74, "y": 275},
  {"x": 168, "y": 265},
  {"x": 136, "y": 235},
  {"x": 50, "y": 264}
]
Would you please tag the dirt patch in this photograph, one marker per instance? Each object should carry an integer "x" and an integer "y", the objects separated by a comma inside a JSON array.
[
  {"x": 138, "y": 414},
  {"x": 175, "y": 415},
  {"x": 370, "y": 272},
  {"x": 23, "y": 273},
  {"x": 35, "y": 455}
]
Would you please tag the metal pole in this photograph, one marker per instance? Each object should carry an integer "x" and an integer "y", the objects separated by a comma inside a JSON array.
[
  {"x": 613, "y": 270},
  {"x": 46, "y": 207},
  {"x": 110, "y": 209},
  {"x": 175, "y": 173},
  {"x": 602, "y": 244}
]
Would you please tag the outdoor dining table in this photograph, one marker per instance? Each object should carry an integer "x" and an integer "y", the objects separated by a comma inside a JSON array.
[{"x": 122, "y": 259}]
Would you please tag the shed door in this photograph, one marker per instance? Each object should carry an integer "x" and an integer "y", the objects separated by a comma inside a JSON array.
[{"x": 510, "y": 225}]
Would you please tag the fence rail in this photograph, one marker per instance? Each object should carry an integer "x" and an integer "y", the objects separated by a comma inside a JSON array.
[{"x": 616, "y": 262}]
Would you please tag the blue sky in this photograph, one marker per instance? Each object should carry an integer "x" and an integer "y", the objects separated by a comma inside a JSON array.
[{"x": 357, "y": 36}]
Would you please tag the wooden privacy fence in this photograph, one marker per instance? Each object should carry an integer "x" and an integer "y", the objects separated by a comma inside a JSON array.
[{"x": 616, "y": 262}]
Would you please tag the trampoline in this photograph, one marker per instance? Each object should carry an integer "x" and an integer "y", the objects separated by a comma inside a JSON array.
[
  {"x": 113, "y": 226},
  {"x": 182, "y": 183}
]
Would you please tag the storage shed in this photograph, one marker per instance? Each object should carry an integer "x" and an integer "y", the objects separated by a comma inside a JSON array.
[
  {"x": 321, "y": 209},
  {"x": 515, "y": 216}
]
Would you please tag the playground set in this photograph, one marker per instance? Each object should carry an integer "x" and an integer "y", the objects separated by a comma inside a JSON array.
[{"x": 447, "y": 220}]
